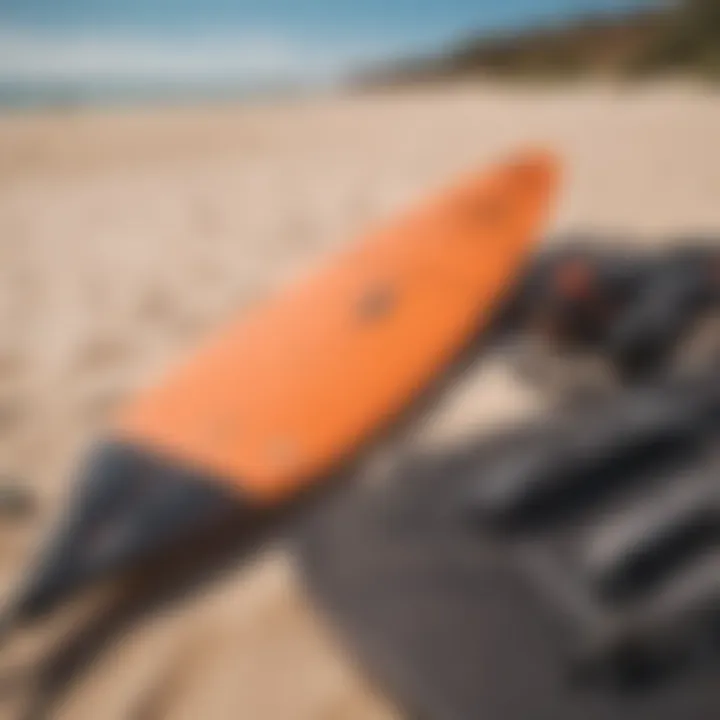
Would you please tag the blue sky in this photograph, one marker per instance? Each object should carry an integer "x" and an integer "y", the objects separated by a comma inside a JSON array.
[{"x": 76, "y": 40}]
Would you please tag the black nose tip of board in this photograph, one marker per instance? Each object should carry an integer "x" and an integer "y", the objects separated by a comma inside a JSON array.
[{"x": 128, "y": 507}]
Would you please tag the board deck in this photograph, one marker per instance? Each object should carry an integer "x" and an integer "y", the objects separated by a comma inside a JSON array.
[{"x": 293, "y": 387}]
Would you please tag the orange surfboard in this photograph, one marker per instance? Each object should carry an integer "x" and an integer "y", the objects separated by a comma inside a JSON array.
[{"x": 293, "y": 387}]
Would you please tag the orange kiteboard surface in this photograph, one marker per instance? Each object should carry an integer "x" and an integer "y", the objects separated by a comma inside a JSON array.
[{"x": 294, "y": 386}]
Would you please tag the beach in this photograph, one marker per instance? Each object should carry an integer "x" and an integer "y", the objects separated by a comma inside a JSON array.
[{"x": 127, "y": 235}]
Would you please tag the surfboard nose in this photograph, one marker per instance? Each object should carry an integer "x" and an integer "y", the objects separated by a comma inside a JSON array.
[{"x": 129, "y": 507}]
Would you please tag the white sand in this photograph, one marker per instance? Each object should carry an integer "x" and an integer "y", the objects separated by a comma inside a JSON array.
[{"x": 125, "y": 236}]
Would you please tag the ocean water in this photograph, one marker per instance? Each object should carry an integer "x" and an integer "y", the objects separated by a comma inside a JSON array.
[{"x": 16, "y": 95}]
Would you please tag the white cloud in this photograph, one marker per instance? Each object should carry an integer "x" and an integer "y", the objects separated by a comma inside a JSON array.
[{"x": 36, "y": 56}]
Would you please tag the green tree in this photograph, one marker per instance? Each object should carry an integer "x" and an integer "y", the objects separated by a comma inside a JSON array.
[{"x": 690, "y": 42}]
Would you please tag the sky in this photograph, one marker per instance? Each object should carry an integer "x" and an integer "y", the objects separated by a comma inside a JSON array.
[{"x": 76, "y": 41}]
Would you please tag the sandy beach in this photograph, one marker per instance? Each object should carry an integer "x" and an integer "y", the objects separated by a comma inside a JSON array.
[{"x": 125, "y": 236}]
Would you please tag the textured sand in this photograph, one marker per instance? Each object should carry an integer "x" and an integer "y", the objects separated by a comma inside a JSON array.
[{"x": 125, "y": 236}]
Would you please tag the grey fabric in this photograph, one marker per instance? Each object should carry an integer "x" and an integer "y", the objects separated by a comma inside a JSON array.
[{"x": 448, "y": 619}]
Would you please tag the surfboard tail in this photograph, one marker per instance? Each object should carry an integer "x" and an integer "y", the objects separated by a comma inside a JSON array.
[{"x": 129, "y": 507}]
